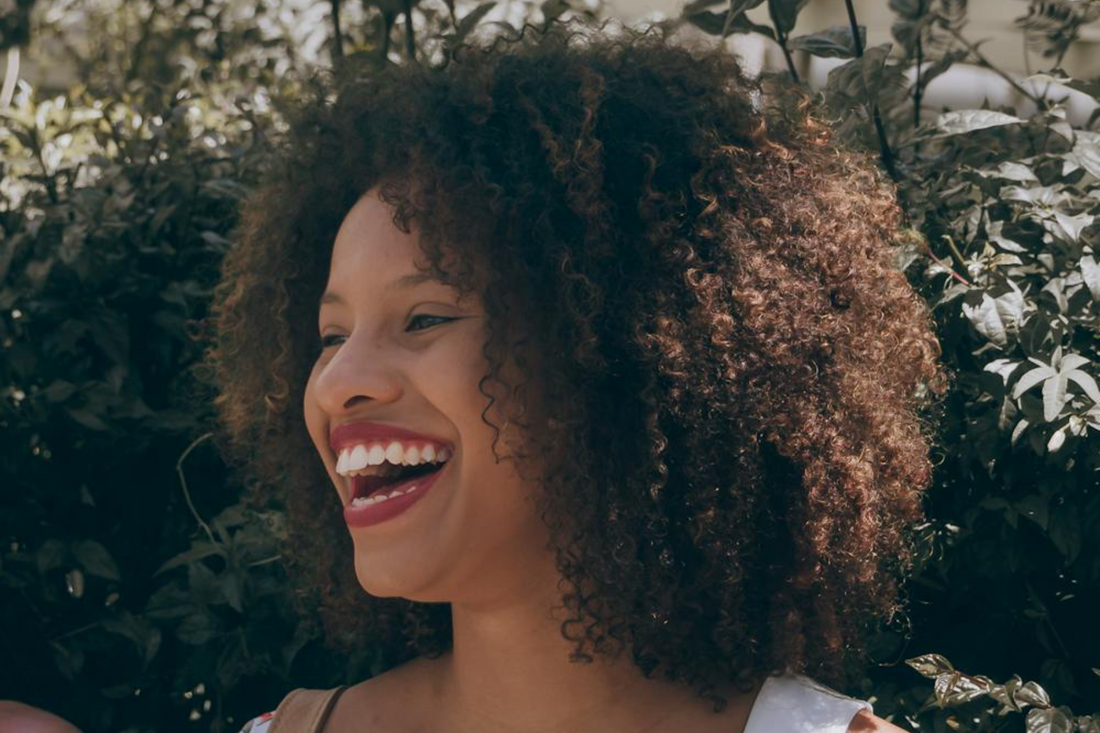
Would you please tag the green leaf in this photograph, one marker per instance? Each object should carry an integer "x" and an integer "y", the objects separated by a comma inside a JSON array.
[
  {"x": 930, "y": 665},
  {"x": 1035, "y": 508},
  {"x": 88, "y": 419},
  {"x": 58, "y": 391},
  {"x": 231, "y": 586},
  {"x": 1009, "y": 171},
  {"x": 1018, "y": 430},
  {"x": 735, "y": 7},
  {"x": 993, "y": 318},
  {"x": 860, "y": 79},
  {"x": 1090, "y": 273},
  {"x": 1085, "y": 153},
  {"x": 470, "y": 20},
  {"x": 197, "y": 629},
  {"x": 50, "y": 556},
  {"x": 1054, "y": 396},
  {"x": 1085, "y": 382},
  {"x": 715, "y": 24},
  {"x": 1069, "y": 227},
  {"x": 785, "y": 13},
  {"x": 95, "y": 559},
  {"x": 833, "y": 42},
  {"x": 200, "y": 549},
  {"x": 1049, "y": 720},
  {"x": 958, "y": 123},
  {"x": 1030, "y": 379},
  {"x": 1064, "y": 530}
]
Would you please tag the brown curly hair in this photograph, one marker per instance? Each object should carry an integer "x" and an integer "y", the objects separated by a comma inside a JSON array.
[{"x": 732, "y": 375}]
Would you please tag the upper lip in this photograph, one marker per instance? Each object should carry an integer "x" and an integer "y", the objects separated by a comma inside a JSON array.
[{"x": 355, "y": 433}]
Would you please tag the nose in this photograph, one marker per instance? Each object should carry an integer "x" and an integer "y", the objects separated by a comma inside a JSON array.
[{"x": 360, "y": 371}]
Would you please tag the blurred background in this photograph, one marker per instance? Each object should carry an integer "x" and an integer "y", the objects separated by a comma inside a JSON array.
[{"x": 141, "y": 591}]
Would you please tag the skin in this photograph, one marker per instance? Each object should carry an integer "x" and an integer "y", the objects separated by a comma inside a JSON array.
[
  {"x": 15, "y": 717},
  {"x": 475, "y": 540}
]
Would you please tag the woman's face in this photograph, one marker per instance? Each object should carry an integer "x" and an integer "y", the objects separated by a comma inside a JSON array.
[{"x": 407, "y": 354}]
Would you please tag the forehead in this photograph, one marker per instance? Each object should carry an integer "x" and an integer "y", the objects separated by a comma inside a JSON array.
[{"x": 369, "y": 243}]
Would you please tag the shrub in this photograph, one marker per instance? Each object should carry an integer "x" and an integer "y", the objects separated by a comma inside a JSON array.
[{"x": 148, "y": 596}]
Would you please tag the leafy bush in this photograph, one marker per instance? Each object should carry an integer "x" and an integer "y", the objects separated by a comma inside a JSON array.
[
  {"x": 1002, "y": 206},
  {"x": 148, "y": 596}
]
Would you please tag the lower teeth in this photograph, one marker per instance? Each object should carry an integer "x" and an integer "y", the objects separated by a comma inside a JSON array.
[{"x": 379, "y": 498}]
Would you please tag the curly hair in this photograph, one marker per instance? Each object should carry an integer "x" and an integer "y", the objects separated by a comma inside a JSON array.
[{"x": 732, "y": 375}]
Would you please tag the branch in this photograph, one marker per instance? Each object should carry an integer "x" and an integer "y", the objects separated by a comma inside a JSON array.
[
  {"x": 880, "y": 130},
  {"x": 916, "y": 86},
  {"x": 781, "y": 38},
  {"x": 186, "y": 493},
  {"x": 1040, "y": 102},
  {"x": 337, "y": 35},
  {"x": 410, "y": 39}
]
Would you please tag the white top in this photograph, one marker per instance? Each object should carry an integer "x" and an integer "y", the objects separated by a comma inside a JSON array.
[
  {"x": 793, "y": 703},
  {"x": 789, "y": 703}
]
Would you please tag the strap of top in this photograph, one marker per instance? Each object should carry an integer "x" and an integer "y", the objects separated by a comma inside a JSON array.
[
  {"x": 793, "y": 703},
  {"x": 305, "y": 711}
]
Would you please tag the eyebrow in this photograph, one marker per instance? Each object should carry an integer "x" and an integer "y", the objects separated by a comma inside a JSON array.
[{"x": 401, "y": 283}]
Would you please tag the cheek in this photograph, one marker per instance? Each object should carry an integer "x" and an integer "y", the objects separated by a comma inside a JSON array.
[{"x": 314, "y": 418}]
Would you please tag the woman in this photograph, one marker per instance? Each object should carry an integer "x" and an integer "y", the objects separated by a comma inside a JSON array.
[{"x": 611, "y": 394}]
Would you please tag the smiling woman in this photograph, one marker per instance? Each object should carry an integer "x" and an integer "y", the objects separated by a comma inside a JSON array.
[{"x": 589, "y": 388}]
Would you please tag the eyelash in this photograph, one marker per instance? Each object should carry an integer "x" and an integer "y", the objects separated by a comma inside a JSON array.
[{"x": 326, "y": 341}]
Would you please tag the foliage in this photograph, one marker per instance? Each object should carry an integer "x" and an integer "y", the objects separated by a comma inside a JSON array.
[
  {"x": 1002, "y": 207},
  {"x": 159, "y": 598}
]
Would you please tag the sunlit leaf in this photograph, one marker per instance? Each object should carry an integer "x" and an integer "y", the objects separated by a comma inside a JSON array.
[{"x": 958, "y": 123}]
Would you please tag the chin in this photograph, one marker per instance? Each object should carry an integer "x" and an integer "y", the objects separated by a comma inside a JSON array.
[{"x": 378, "y": 580}]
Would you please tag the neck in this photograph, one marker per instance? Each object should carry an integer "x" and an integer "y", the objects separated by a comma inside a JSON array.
[{"x": 509, "y": 670}]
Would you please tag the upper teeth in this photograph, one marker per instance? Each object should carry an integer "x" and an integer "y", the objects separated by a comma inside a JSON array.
[{"x": 367, "y": 458}]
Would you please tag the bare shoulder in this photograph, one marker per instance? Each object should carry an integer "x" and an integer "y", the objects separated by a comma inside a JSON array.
[
  {"x": 15, "y": 717},
  {"x": 865, "y": 722},
  {"x": 395, "y": 701}
]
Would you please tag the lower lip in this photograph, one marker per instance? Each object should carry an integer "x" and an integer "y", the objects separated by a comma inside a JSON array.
[{"x": 365, "y": 516}]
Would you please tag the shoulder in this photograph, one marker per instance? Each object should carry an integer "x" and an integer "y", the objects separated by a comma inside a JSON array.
[
  {"x": 16, "y": 717},
  {"x": 865, "y": 722}
]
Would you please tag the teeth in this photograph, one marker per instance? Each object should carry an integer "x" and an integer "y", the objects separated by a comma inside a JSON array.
[
  {"x": 361, "y": 460},
  {"x": 379, "y": 498},
  {"x": 358, "y": 458}
]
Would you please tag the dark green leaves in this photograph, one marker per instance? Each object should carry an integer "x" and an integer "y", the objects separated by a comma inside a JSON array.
[
  {"x": 833, "y": 42},
  {"x": 785, "y": 13}
]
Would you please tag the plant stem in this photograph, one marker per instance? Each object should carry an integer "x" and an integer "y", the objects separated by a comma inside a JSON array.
[
  {"x": 955, "y": 251},
  {"x": 886, "y": 153},
  {"x": 187, "y": 493},
  {"x": 857, "y": 42},
  {"x": 916, "y": 84},
  {"x": 944, "y": 265},
  {"x": 410, "y": 39},
  {"x": 781, "y": 39},
  {"x": 985, "y": 63},
  {"x": 337, "y": 36}
]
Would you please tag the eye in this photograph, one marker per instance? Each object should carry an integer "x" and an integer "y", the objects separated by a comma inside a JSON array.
[
  {"x": 330, "y": 340},
  {"x": 327, "y": 341},
  {"x": 416, "y": 319}
]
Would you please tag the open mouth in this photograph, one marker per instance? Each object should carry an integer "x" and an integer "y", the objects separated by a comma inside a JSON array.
[{"x": 390, "y": 482}]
